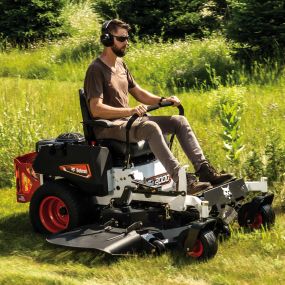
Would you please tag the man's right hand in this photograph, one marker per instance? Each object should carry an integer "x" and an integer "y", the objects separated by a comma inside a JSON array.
[{"x": 139, "y": 110}]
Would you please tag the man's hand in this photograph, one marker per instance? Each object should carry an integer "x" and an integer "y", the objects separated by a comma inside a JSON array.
[
  {"x": 140, "y": 110},
  {"x": 174, "y": 99}
]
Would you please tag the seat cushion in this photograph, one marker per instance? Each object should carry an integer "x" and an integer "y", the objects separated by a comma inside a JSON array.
[{"x": 118, "y": 148}]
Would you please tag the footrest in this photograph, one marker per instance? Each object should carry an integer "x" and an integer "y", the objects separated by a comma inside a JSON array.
[{"x": 224, "y": 194}]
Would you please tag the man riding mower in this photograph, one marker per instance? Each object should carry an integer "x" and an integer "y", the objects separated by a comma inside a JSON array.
[{"x": 118, "y": 188}]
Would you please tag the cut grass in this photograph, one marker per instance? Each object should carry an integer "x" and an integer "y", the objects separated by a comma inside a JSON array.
[{"x": 247, "y": 258}]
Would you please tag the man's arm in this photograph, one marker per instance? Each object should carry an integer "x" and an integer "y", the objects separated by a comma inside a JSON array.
[
  {"x": 148, "y": 98},
  {"x": 144, "y": 96},
  {"x": 103, "y": 111}
]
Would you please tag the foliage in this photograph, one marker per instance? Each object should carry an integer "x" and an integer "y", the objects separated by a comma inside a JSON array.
[
  {"x": 259, "y": 25},
  {"x": 27, "y": 21},
  {"x": 230, "y": 107},
  {"x": 85, "y": 30},
  {"x": 230, "y": 116},
  {"x": 18, "y": 133},
  {"x": 182, "y": 64},
  {"x": 169, "y": 18},
  {"x": 275, "y": 154},
  {"x": 33, "y": 119},
  {"x": 253, "y": 167},
  {"x": 163, "y": 66},
  {"x": 271, "y": 163}
]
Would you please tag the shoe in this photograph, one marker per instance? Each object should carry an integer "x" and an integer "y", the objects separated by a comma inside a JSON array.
[
  {"x": 194, "y": 187},
  {"x": 208, "y": 173}
]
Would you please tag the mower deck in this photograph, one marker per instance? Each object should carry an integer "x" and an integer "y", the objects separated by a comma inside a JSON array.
[{"x": 113, "y": 240}]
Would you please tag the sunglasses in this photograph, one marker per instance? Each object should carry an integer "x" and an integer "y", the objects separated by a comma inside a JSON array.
[{"x": 121, "y": 38}]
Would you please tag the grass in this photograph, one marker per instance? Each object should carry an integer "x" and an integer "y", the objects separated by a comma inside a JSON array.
[
  {"x": 247, "y": 258},
  {"x": 35, "y": 109}
]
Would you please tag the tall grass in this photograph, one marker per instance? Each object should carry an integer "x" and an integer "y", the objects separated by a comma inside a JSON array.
[
  {"x": 182, "y": 63},
  {"x": 162, "y": 67},
  {"x": 34, "y": 109}
]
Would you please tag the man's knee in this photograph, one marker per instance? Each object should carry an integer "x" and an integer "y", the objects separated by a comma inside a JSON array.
[
  {"x": 148, "y": 129},
  {"x": 180, "y": 121}
]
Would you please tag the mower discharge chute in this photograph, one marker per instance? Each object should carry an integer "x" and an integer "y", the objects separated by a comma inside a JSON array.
[{"x": 116, "y": 197}]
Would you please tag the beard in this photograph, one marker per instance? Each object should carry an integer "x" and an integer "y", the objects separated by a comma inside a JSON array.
[{"x": 118, "y": 52}]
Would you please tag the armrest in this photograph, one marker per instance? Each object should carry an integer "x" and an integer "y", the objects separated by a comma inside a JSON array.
[{"x": 99, "y": 123}]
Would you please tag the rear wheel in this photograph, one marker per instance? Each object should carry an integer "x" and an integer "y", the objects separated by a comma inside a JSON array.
[
  {"x": 205, "y": 247},
  {"x": 264, "y": 217},
  {"x": 55, "y": 207}
]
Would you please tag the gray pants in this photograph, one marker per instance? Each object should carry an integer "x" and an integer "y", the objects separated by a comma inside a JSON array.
[{"x": 151, "y": 129}]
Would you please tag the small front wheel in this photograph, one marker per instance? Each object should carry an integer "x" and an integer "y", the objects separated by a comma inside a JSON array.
[
  {"x": 264, "y": 217},
  {"x": 159, "y": 246},
  {"x": 205, "y": 247}
]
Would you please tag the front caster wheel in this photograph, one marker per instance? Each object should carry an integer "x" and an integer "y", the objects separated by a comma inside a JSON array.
[
  {"x": 159, "y": 246},
  {"x": 264, "y": 217},
  {"x": 205, "y": 247}
]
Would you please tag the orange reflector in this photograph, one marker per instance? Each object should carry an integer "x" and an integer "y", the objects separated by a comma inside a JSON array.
[{"x": 25, "y": 183}]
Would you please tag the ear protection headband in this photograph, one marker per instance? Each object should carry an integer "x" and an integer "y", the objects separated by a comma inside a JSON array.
[{"x": 106, "y": 38}]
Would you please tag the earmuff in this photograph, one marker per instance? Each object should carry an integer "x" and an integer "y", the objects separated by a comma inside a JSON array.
[{"x": 106, "y": 38}]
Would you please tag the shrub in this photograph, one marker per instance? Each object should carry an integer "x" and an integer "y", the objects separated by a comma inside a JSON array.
[
  {"x": 230, "y": 113},
  {"x": 190, "y": 63},
  {"x": 27, "y": 21},
  {"x": 275, "y": 158},
  {"x": 253, "y": 167},
  {"x": 87, "y": 48}
]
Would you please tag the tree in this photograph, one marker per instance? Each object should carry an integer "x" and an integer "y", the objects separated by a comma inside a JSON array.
[
  {"x": 26, "y": 21},
  {"x": 169, "y": 18},
  {"x": 258, "y": 24}
]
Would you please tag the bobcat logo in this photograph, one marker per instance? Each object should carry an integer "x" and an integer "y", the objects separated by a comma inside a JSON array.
[{"x": 227, "y": 193}]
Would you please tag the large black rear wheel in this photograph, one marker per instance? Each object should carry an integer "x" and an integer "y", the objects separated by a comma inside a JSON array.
[{"x": 56, "y": 206}]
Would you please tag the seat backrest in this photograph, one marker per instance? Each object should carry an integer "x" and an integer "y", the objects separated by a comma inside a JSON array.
[{"x": 88, "y": 130}]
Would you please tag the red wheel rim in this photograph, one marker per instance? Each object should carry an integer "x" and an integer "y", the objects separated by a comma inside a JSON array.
[
  {"x": 258, "y": 221},
  {"x": 54, "y": 214},
  {"x": 197, "y": 250}
]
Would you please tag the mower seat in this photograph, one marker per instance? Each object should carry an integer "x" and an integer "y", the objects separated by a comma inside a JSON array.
[{"x": 117, "y": 148}]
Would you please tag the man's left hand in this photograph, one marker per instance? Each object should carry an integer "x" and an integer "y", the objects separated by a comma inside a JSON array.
[{"x": 174, "y": 99}]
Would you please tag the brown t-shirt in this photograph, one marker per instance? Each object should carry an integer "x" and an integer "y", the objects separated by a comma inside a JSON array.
[{"x": 110, "y": 85}]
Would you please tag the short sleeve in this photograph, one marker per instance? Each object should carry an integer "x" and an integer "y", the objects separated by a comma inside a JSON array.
[{"x": 93, "y": 83}]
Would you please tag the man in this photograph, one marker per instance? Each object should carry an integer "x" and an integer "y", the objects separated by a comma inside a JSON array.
[{"x": 107, "y": 84}]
